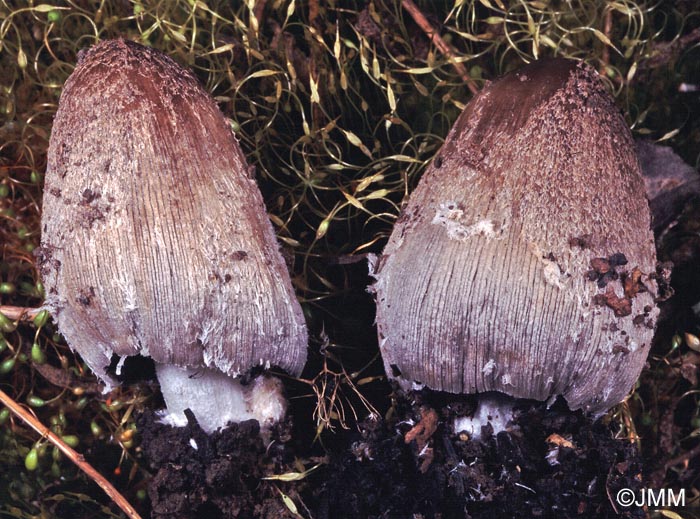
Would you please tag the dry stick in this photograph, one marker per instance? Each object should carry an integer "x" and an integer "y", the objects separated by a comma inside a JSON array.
[
  {"x": 607, "y": 29},
  {"x": 442, "y": 46},
  {"x": 75, "y": 457},
  {"x": 683, "y": 458},
  {"x": 259, "y": 11},
  {"x": 313, "y": 11},
  {"x": 661, "y": 53},
  {"x": 20, "y": 313}
]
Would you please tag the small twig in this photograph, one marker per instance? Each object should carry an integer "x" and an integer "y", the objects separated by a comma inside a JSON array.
[
  {"x": 259, "y": 11},
  {"x": 662, "y": 53},
  {"x": 74, "y": 456},
  {"x": 313, "y": 11},
  {"x": 686, "y": 456},
  {"x": 607, "y": 491},
  {"x": 347, "y": 259},
  {"x": 442, "y": 46},
  {"x": 607, "y": 29},
  {"x": 66, "y": 379},
  {"x": 19, "y": 312}
]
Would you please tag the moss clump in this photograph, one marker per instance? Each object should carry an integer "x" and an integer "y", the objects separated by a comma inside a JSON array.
[{"x": 339, "y": 107}]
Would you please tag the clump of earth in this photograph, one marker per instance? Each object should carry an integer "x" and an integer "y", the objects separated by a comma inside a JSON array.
[{"x": 410, "y": 463}]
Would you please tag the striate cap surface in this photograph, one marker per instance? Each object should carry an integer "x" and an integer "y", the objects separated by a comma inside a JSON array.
[{"x": 155, "y": 236}]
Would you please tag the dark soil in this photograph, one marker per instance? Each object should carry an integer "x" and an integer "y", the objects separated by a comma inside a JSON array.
[
  {"x": 551, "y": 463},
  {"x": 504, "y": 475},
  {"x": 220, "y": 478}
]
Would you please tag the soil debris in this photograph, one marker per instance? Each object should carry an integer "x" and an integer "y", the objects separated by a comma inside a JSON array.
[
  {"x": 551, "y": 463},
  {"x": 621, "y": 306},
  {"x": 215, "y": 476},
  {"x": 421, "y": 434}
]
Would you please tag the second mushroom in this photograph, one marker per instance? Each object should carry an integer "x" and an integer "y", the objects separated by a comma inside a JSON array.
[{"x": 523, "y": 262}]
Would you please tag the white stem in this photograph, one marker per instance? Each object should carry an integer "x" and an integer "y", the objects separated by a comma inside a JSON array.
[
  {"x": 493, "y": 408},
  {"x": 217, "y": 399}
]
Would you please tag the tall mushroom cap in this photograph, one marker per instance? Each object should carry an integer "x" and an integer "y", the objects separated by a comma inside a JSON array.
[
  {"x": 521, "y": 262},
  {"x": 155, "y": 237}
]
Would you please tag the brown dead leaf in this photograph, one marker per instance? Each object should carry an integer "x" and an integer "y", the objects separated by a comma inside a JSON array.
[
  {"x": 421, "y": 433},
  {"x": 622, "y": 306},
  {"x": 66, "y": 379},
  {"x": 560, "y": 441},
  {"x": 600, "y": 265},
  {"x": 424, "y": 429},
  {"x": 632, "y": 283}
]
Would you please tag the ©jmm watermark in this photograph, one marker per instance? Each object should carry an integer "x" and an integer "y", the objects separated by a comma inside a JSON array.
[{"x": 651, "y": 497}]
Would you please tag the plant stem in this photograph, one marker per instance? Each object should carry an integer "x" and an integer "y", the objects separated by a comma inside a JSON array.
[
  {"x": 74, "y": 456},
  {"x": 442, "y": 46},
  {"x": 19, "y": 312}
]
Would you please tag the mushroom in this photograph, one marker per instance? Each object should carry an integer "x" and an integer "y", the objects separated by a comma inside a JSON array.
[
  {"x": 523, "y": 262},
  {"x": 156, "y": 241}
]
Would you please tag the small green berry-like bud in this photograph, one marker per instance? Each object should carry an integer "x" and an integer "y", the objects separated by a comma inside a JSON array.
[
  {"x": 7, "y": 365},
  {"x": 35, "y": 401},
  {"x": 38, "y": 355},
  {"x": 21, "y": 59},
  {"x": 71, "y": 440},
  {"x": 95, "y": 429},
  {"x": 41, "y": 318},
  {"x": 6, "y": 324},
  {"x": 31, "y": 461},
  {"x": 675, "y": 342}
]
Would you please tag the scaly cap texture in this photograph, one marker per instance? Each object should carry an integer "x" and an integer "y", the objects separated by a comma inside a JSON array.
[
  {"x": 155, "y": 237},
  {"x": 521, "y": 262}
]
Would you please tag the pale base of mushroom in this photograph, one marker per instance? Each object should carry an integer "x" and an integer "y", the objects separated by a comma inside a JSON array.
[
  {"x": 216, "y": 399},
  {"x": 492, "y": 408}
]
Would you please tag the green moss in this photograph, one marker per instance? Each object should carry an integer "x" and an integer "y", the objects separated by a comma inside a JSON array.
[{"x": 339, "y": 115}]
